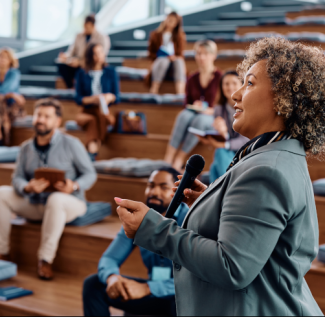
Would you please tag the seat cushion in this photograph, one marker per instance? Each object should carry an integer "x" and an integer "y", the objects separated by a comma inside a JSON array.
[
  {"x": 25, "y": 122},
  {"x": 7, "y": 270},
  {"x": 96, "y": 212},
  {"x": 319, "y": 187},
  {"x": 129, "y": 167},
  {"x": 9, "y": 154}
]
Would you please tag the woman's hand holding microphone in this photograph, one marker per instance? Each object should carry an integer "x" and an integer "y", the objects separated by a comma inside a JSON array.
[{"x": 132, "y": 213}]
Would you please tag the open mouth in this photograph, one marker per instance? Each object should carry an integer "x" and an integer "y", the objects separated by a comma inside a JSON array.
[{"x": 238, "y": 112}]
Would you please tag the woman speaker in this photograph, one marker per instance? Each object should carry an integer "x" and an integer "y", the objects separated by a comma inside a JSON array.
[{"x": 250, "y": 238}]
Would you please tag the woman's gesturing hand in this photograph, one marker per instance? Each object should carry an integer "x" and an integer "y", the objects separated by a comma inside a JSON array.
[
  {"x": 192, "y": 194},
  {"x": 131, "y": 214}
]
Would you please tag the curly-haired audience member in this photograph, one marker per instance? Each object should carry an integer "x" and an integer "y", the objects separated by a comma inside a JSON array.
[{"x": 251, "y": 237}]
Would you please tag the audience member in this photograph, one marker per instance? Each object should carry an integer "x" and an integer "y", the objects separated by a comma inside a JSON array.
[
  {"x": 155, "y": 296},
  {"x": 96, "y": 83},
  {"x": 166, "y": 47},
  {"x": 201, "y": 91},
  {"x": 28, "y": 198},
  {"x": 224, "y": 112},
  {"x": 11, "y": 102},
  {"x": 71, "y": 61}
]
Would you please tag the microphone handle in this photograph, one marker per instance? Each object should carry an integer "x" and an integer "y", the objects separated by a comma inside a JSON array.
[{"x": 186, "y": 182}]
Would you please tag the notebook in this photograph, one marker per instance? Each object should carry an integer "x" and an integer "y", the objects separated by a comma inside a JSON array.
[
  {"x": 215, "y": 134},
  {"x": 8, "y": 293},
  {"x": 198, "y": 109},
  {"x": 53, "y": 175}
]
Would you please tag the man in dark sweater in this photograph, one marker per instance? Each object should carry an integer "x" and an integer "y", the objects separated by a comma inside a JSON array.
[{"x": 28, "y": 197}]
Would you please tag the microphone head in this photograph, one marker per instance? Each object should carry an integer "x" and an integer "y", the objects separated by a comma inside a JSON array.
[{"x": 195, "y": 165}]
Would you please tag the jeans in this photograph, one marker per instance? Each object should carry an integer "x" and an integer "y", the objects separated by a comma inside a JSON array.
[
  {"x": 68, "y": 74},
  {"x": 186, "y": 119},
  {"x": 222, "y": 160},
  {"x": 161, "y": 66},
  {"x": 96, "y": 301}
]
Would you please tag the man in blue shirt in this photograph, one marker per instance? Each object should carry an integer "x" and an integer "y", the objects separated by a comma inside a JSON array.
[{"x": 155, "y": 296}]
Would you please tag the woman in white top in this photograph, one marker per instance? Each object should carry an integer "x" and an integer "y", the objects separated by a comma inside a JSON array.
[
  {"x": 166, "y": 46},
  {"x": 97, "y": 85}
]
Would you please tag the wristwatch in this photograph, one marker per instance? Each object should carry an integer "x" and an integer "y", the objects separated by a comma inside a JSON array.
[{"x": 75, "y": 187}]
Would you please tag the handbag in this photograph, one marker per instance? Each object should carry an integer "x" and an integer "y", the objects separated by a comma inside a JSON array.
[{"x": 131, "y": 122}]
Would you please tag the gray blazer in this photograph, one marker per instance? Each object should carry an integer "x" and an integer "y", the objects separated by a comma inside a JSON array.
[{"x": 247, "y": 242}]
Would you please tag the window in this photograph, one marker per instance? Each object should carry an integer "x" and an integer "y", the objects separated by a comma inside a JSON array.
[
  {"x": 9, "y": 18},
  {"x": 135, "y": 10},
  {"x": 52, "y": 20}
]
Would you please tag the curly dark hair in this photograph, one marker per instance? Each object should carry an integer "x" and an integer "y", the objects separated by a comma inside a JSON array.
[{"x": 297, "y": 73}]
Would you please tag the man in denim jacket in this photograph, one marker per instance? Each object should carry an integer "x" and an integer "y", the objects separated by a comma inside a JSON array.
[{"x": 154, "y": 296}]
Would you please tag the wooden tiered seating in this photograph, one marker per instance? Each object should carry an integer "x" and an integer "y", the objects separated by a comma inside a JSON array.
[
  {"x": 304, "y": 13},
  {"x": 78, "y": 255},
  {"x": 191, "y": 66},
  {"x": 282, "y": 29},
  {"x": 160, "y": 118},
  {"x": 152, "y": 146},
  {"x": 105, "y": 189}
]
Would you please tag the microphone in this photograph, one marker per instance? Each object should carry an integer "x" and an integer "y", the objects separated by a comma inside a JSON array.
[{"x": 193, "y": 169}]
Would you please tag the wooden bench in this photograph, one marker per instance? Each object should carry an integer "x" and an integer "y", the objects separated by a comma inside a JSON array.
[
  {"x": 282, "y": 29},
  {"x": 160, "y": 118},
  {"x": 105, "y": 189},
  {"x": 79, "y": 252},
  {"x": 152, "y": 146},
  {"x": 304, "y": 13},
  {"x": 191, "y": 66}
]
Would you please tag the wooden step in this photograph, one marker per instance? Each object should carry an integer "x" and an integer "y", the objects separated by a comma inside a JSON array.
[
  {"x": 316, "y": 280},
  {"x": 79, "y": 250},
  {"x": 304, "y": 13},
  {"x": 160, "y": 118},
  {"x": 152, "y": 146},
  {"x": 282, "y": 29},
  {"x": 105, "y": 189},
  {"x": 191, "y": 66},
  {"x": 167, "y": 87},
  {"x": 60, "y": 297}
]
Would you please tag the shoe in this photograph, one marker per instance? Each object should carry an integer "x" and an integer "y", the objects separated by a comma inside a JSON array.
[
  {"x": 45, "y": 271},
  {"x": 5, "y": 257}
]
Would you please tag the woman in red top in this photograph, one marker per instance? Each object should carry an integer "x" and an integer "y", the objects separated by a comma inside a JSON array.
[{"x": 201, "y": 91}]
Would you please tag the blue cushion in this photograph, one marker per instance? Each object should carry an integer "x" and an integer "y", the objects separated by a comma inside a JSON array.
[
  {"x": 96, "y": 212},
  {"x": 7, "y": 270},
  {"x": 25, "y": 122},
  {"x": 319, "y": 187},
  {"x": 9, "y": 154}
]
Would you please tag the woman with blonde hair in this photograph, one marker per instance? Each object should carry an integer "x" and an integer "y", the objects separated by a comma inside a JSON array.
[
  {"x": 201, "y": 91},
  {"x": 166, "y": 47},
  {"x": 11, "y": 102}
]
